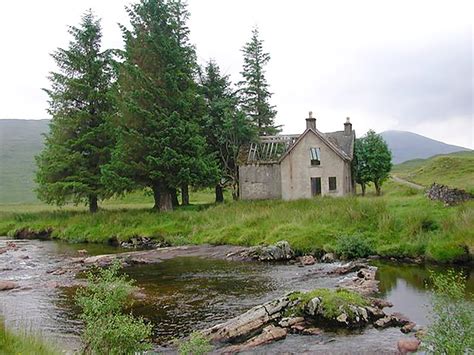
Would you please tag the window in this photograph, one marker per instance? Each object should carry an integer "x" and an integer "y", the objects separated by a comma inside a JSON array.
[
  {"x": 332, "y": 183},
  {"x": 315, "y": 156}
]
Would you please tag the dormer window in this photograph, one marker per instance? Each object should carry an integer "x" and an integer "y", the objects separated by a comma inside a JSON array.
[{"x": 315, "y": 154}]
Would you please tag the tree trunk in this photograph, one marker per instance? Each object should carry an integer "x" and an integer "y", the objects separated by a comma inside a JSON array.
[
  {"x": 156, "y": 196},
  {"x": 235, "y": 191},
  {"x": 219, "y": 194},
  {"x": 93, "y": 207},
  {"x": 362, "y": 186},
  {"x": 174, "y": 198},
  {"x": 166, "y": 199},
  {"x": 185, "y": 195},
  {"x": 378, "y": 189}
]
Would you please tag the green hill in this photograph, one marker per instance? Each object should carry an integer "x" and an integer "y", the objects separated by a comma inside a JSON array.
[
  {"x": 455, "y": 170},
  {"x": 20, "y": 141}
]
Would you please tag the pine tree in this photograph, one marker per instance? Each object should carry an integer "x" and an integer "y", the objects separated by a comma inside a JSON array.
[
  {"x": 255, "y": 94},
  {"x": 80, "y": 104},
  {"x": 227, "y": 128},
  {"x": 159, "y": 143}
]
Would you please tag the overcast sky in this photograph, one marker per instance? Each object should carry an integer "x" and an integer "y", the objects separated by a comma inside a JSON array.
[{"x": 405, "y": 65}]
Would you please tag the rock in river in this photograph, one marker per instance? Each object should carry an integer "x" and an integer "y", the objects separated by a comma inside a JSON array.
[
  {"x": 278, "y": 252},
  {"x": 7, "y": 285}
]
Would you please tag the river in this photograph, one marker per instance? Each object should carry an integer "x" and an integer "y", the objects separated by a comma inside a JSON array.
[{"x": 191, "y": 293}]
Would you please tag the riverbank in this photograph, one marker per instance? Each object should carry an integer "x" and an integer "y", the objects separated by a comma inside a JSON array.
[
  {"x": 402, "y": 223},
  {"x": 11, "y": 343}
]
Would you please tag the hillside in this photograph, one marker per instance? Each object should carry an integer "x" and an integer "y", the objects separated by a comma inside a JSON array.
[
  {"x": 20, "y": 141},
  {"x": 455, "y": 169},
  {"x": 407, "y": 146}
]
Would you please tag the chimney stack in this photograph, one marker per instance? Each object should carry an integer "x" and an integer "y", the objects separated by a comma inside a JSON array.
[
  {"x": 311, "y": 121},
  {"x": 348, "y": 127}
]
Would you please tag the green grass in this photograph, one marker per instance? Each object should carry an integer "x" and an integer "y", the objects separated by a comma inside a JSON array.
[
  {"x": 455, "y": 170},
  {"x": 402, "y": 223},
  {"x": 23, "y": 343},
  {"x": 333, "y": 302}
]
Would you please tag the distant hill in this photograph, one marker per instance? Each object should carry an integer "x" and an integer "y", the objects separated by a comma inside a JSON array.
[
  {"x": 407, "y": 146},
  {"x": 20, "y": 141},
  {"x": 455, "y": 170}
]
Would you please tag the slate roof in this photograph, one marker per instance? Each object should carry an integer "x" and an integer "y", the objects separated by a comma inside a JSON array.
[
  {"x": 343, "y": 142},
  {"x": 273, "y": 149}
]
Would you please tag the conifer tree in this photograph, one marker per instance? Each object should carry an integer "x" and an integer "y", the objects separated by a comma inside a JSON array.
[
  {"x": 159, "y": 142},
  {"x": 227, "y": 127},
  {"x": 254, "y": 92},
  {"x": 80, "y": 105}
]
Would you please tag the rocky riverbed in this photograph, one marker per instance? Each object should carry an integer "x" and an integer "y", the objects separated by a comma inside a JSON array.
[{"x": 198, "y": 288}]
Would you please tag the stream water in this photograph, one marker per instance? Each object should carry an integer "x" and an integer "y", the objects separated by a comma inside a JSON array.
[{"x": 190, "y": 293}]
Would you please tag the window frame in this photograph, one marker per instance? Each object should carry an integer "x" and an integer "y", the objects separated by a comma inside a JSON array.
[
  {"x": 335, "y": 183},
  {"x": 315, "y": 156}
]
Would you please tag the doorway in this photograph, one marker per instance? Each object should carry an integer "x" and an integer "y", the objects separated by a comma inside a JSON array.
[{"x": 315, "y": 186}]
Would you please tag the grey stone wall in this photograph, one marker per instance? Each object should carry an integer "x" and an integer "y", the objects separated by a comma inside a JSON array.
[
  {"x": 260, "y": 181},
  {"x": 447, "y": 195}
]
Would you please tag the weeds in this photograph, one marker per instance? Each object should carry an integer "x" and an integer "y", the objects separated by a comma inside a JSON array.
[
  {"x": 452, "y": 327},
  {"x": 107, "y": 329}
]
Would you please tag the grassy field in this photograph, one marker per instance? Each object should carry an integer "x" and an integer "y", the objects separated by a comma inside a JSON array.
[
  {"x": 455, "y": 170},
  {"x": 400, "y": 223}
]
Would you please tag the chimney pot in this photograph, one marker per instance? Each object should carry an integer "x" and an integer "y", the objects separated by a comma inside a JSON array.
[
  {"x": 311, "y": 121},
  {"x": 348, "y": 127}
]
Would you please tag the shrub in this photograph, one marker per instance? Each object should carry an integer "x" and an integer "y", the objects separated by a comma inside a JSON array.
[
  {"x": 197, "y": 344},
  {"x": 353, "y": 246},
  {"x": 452, "y": 327},
  {"x": 107, "y": 329}
]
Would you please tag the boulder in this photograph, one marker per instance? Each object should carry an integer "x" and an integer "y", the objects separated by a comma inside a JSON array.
[
  {"x": 384, "y": 322},
  {"x": 278, "y": 252},
  {"x": 289, "y": 322},
  {"x": 82, "y": 252},
  {"x": 392, "y": 320},
  {"x": 364, "y": 283},
  {"x": 409, "y": 345},
  {"x": 268, "y": 335},
  {"x": 328, "y": 258},
  {"x": 407, "y": 328},
  {"x": 311, "y": 331},
  {"x": 8, "y": 285},
  {"x": 374, "y": 312},
  {"x": 249, "y": 322},
  {"x": 347, "y": 268},
  {"x": 307, "y": 260},
  {"x": 312, "y": 306}
]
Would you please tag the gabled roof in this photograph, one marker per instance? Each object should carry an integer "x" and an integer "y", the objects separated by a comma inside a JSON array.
[
  {"x": 273, "y": 149},
  {"x": 339, "y": 143}
]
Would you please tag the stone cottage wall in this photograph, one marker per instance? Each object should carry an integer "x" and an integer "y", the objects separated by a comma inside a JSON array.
[{"x": 260, "y": 181}]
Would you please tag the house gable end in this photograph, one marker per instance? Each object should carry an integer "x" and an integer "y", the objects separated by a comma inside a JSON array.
[{"x": 329, "y": 144}]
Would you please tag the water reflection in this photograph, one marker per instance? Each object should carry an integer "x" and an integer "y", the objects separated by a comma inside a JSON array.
[
  {"x": 408, "y": 286},
  {"x": 186, "y": 294}
]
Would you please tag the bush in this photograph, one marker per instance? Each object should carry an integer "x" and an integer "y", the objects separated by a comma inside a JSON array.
[
  {"x": 353, "y": 247},
  {"x": 107, "y": 329},
  {"x": 452, "y": 328},
  {"x": 197, "y": 344}
]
